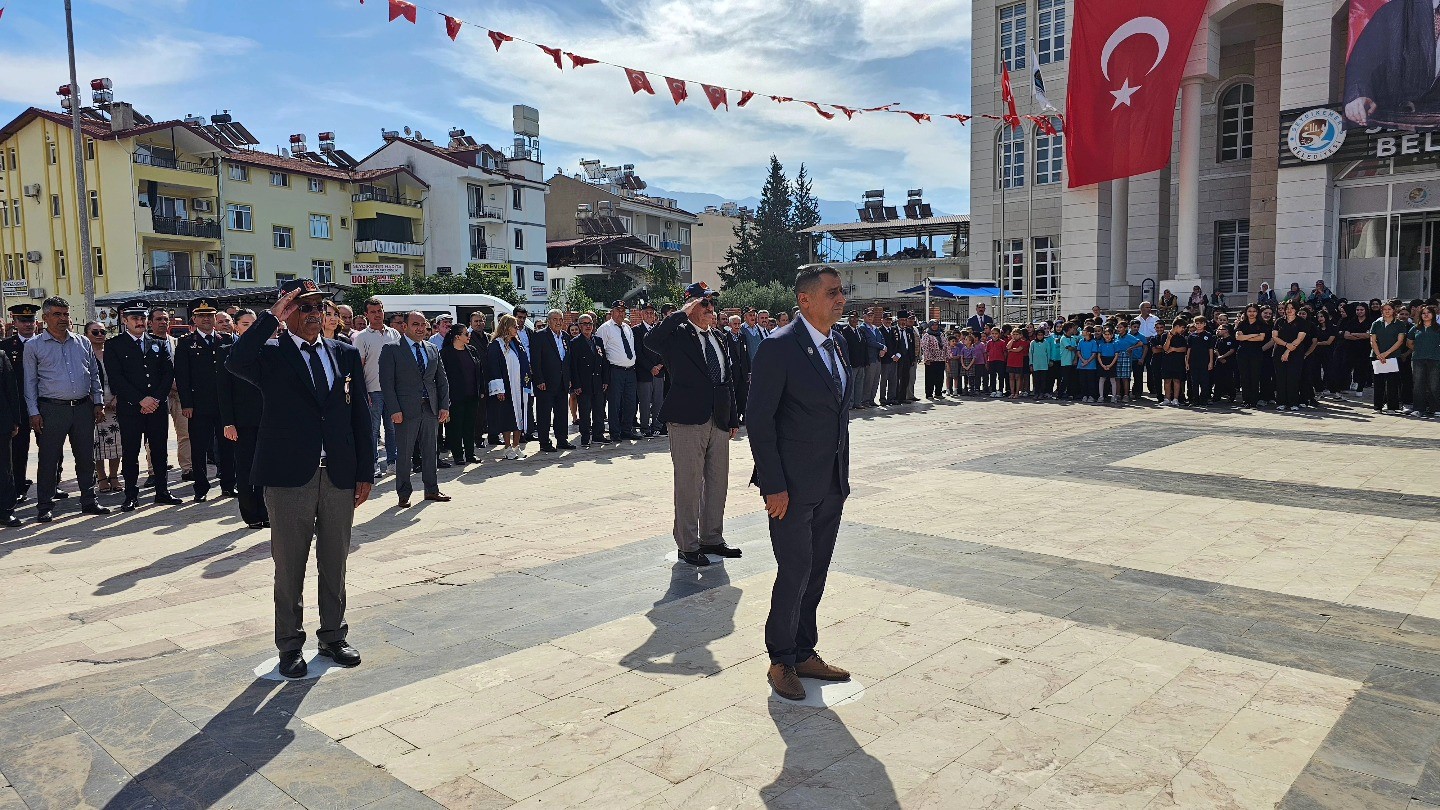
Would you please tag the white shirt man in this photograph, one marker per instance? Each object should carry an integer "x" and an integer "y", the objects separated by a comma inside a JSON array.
[
  {"x": 619, "y": 342},
  {"x": 1148, "y": 322},
  {"x": 370, "y": 341}
]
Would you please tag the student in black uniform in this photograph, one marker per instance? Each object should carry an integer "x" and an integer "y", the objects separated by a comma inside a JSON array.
[
  {"x": 22, "y": 320},
  {"x": 1251, "y": 334},
  {"x": 589, "y": 380},
  {"x": 199, "y": 358},
  {"x": 241, "y": 406},
  {"x": 141, "y": 372},
  {"x": 1223, "y": 377},
  {"x": 1200, "y": 361},
  {"x": 1172, "y": 368},
  {"x": 1290, "y": 337}
]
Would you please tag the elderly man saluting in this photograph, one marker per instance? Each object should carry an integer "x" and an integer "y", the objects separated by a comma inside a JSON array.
[
  {"x": 313, "y": 457},
  {"x": 799, "y": 428}
]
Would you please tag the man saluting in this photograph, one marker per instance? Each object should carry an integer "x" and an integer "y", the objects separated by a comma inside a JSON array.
[
  {"x": 314, "y": 459},
  {"x": 799, "y": 426}
]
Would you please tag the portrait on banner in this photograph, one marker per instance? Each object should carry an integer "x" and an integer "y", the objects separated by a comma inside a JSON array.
[{"x": 1391, "y": 68}]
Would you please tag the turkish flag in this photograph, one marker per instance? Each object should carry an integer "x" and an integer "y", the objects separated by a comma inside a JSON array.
[
  {"x": 638, "y": 81},
  {"x": 577, "y": 61},
  {"x": 400, "y": 8},
  {"x": 678, "y": 91},
  {"x": 452, "y": 26},
  {"x": 717, "y": 96},
  {"x": 499, "y": 38},
  {"x": 745, "y": 96},
  {"x": 1126, "y": 63},
  {"x": 1011, "y": 116},
  {"x": 816, "y": 107},
  {"x": 554, "y": 54}
]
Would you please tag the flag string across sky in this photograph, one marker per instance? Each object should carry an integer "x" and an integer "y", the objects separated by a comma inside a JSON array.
[{"x": 717, "y": 95}]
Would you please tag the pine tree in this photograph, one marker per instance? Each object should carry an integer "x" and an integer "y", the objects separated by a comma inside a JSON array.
[
  {"x": 804, "y": 213},
  {"x": 774, "y": 243},
  {"x": 739, "y": 257}
]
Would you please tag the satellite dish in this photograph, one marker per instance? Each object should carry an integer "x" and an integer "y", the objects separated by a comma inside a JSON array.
[{"x": 407, "y": 132}]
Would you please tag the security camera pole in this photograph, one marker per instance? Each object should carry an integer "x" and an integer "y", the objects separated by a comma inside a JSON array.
[{"x": 82, "y": 194}]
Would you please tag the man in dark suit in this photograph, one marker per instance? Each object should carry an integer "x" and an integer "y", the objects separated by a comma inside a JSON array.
[
  {"x": 12, "y": 416},
  {"x": 314, "y": 458},
  {"x": 22, "y": 320},
  {"x": 799, "y": 426},
  {"x": 909, "y": 356},
  {"x": 549, "y": 349},
  {"x": 589, "y": 380},
  {"x": 649, "y": 376},
  {"x": 198, "y": 367},
  {"x": 525, "y": 334},
  {"x": 740, "y": 359},
  {"x": 702, "y": 418},
  {"x": 417, "y": 400},
  {"x": 893, "y": 360},
  {"x": 241, "y": 407},
  {"x": 858, "y": 353},
  {"x": 141, "y": 372}
]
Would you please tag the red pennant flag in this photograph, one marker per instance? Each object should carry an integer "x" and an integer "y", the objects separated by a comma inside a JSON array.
[
  {"x": 961, "y": 117},
  {"x": 816, "y": 107},
  {"x": 499, "y": 39},
  {"x": 1043, "y": 123},
  {"x": 849, "y": 113},
  {"x": 638, "y": 81},
  {"x": 1011, "y": 116},
  {"x": 400, "y": 8},
  {"x": 781, "y": 99},
  {"x": 576, "y": 60},
  {"x": 452, "y": 27},
  {"x": 989, "y": 117},
  {"x": 884, "y": 108},
  {"x": 554, "y": 54},
  {"x": 678, "y": 91},
  {"x": 717, "y": 96},
  {"x": 2, "y": 8},
  {"x": 745, "y": 96},
  {"x": 1120, "y": 102},
  {"x": 920, "y": 118}
]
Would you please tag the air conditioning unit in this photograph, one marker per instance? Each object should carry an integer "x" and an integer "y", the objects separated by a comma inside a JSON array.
[
  {"x": 37, "y": 293},
  {"x": 32, "y": 190},
  {"x": 33, "y": 257},
  {"x": 201, "y": 205}
]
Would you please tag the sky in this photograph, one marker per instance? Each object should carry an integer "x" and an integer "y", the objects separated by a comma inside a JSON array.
[{"x": 292, "y": 66}]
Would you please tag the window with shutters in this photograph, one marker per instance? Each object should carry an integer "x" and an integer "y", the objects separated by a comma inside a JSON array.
[
  {"x": 1013, "y": 36},
  {"x": 1011, "y": 263},
  {"x": 242, "y": 267},
  {"x": 1012, "y": 158},
  {"x": 1050, "y": 31},
  {"x": 1046, "y": 258},
  {"x": 1237, "y": 122},
  {"x": 1232, "y": 255},
  {"x": 1049, "y": 156}
]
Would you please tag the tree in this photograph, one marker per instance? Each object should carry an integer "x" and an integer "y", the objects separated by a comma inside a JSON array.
[
  {"x": 572, "y": 298},
  {"x": 664, "y": 281},
  {"x": 739, "y": 257},
  {"x": 804, "y": 213},
  {"x": 476, "y": 280},
  {"x": 775, "y": 297},
  {"x": 764, "y": 249}
]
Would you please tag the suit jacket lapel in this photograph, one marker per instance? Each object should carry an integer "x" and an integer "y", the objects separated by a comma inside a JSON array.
[
  {"x": 802, "y": 334},
  {"x": 297, "y": 361}
]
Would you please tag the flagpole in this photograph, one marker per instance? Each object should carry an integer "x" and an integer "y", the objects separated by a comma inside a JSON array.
[
  {"x": 82, "y": 202},
  {"x": 1027, "y": 256}
]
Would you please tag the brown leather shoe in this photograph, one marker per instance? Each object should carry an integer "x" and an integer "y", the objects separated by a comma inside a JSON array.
[
  {"x": 815, "y": 667},
  {"x": 785, "y": 682},
  {"x": 404, "y": 504},
  {"x": 437, "y": 496}
]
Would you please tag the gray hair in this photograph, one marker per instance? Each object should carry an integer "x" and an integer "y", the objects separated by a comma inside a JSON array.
[
  {"x": 54, "y": 302},
  {"x": 554, "y": 312}
]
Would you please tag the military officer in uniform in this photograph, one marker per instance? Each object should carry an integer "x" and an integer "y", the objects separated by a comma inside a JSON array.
[
  {"x": 141, "y": 370},
  {"x": 22, "y": 319},
  {"x": 12, "y": 416},
  {"x": 199, "y": 364}
]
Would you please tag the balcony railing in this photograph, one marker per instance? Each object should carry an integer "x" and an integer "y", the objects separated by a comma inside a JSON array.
[
  {"x": 486, "y": 212},
  {"x": 159, "y": 162},
  {"x": 167, "y": 277},
  {"x": 382, "y": 196},
  {"x": 390, "y": 248},
  {"x": 521, "y": 153},
  {"x": 179, "y": 226},
  {"x": 666, "y": 244},
  {"x": 485, "y": 253}
]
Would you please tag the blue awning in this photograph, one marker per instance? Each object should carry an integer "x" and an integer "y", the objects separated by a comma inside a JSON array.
[{"x": 979, "y": 290}]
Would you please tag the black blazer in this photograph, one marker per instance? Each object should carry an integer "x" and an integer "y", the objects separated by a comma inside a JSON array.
[
  {"x": 198, "y": 369},
  {"x": 739, "y": 358},
  {"x": 12, "y": 406},
  {"x": 854, "y": 345},
  {"x": 545, "y": 363},
  {"x": 588, "y": 368},
  {"x": 241, "y": 404},
  {"x": 799, "y": 429},
  {"x": 296, "y": 422},
  {"x": 646, "y": 358},
  {"x": 135, "y": 374},
  {"x": 694, "y": 398}
]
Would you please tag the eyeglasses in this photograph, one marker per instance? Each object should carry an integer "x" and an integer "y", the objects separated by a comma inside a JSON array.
[
  {"x": 97, "y": 333},
  {"x": 308, "y": 308}
]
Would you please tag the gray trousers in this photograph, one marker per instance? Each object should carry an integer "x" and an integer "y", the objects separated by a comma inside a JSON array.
[
  {"x": 907, "y": 381},
  {"x": 872, "y": 382},
  {"x": 75, "y": 422},
  {"x": 889, "y": 382},
  {"x": 323, "y": 512},
  {"x": 426, "y": 431},
  {"x": 701, "y": 455},
  {"x": 857, "y": 386},
  {"x": 651, "y": 394}
]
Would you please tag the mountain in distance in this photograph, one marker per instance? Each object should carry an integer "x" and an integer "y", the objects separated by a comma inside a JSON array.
[{"x": 833, "y": 212}]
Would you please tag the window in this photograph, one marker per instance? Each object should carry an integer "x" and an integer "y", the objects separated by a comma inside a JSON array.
[
  {"x": 1049, "y": 157},
  {"x": 242, "y": 267},
  {"x": 98, "y": 262},
  {"x": 1047, "y": 265},
  {"x": 1050, "y": 31},
  {"x": 515, "y": 198},
  {"x": 1237, "y": 122},
  {"x": 628, "y": 223},
  {"x": 281, "y": 278},
  {"x": 317, "y": 186},
  {"x": 94, "y": 205},
  {"x": 284, "y": 237},
  {"x": 320, "y": 226},
  {"x": 89, "y": 149},
  {"x": 12, "y": 160},
  {"x": 9, "y": 267},
  {"x": 19, "y": 267},
  {"x": 1232, "y": 255},
  {"x": 15, "y": 212},
  {"x": 1012, "y": 158},
  {"x": 344, "y": 223},
  {"x": 1013, "y": 36},
  {"x": 684, "y": 236},
  {"x": 54, "y": 205},
  {"x": 321, "y": 270},
  {"x": 239, "y": 173},
  {"x": 4, "y": 214},
  {"x": 1011, "y": 265},
  {"x": 54, "y": 156},
  {"x": 280, "y": 179},
  {"x": 238, "y": 217},
  {"x": 61, "y": 268},
  {"x": 883, "y": 277},
  {"x": 519, "y": 239}
]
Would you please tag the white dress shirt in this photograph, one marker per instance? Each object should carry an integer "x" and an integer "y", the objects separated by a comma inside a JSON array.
[
  {"x": 324, "y": 354},
  {"x": 819, "y": 338},
  {"x": 609, "y": 334},
  {"x": 708, "y": 336}
]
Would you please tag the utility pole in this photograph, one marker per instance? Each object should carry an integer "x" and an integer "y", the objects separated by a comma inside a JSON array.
[{"x": 82, "y": 194}]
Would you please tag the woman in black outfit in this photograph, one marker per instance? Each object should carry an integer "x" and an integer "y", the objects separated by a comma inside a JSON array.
[
  {"x": 464, "y": 368},
  {"x": 1319, "y": 363},
  {"x": 1250, "y": 335},
  {"x": 1290, "y": 338},
  {"x": 1355, "y": 346},
  {"x": 1271, "y": 357}
]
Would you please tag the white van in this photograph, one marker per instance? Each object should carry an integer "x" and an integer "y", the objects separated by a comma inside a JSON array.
[{"x": 459, "y": 306}]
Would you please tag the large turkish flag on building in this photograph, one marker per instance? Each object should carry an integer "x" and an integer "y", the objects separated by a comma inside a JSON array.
[{"x": 1125, "y": 67}]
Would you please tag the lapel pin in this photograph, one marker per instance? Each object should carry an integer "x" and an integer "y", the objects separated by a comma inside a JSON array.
[{"x": 810, "y": 351}]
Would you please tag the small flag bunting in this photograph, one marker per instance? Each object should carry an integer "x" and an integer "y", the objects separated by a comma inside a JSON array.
[
  {"x": 678, "y": 90},
  {"x": 452, "y": 27},
  {"x": 717, "y": 96},
  {"x": 554, "y": 54},
  {"x": 920, "y": 118},
  {"x": 576, "y": 60},
  {"x": 500, "y": 39},
  {"x": 962, "y": 118},
  {"x": 400, "y": 8},
  {"x": 817, "y": 108},
  {"x": 638, "y": 81},
  {"x": 745, "y": 97}
]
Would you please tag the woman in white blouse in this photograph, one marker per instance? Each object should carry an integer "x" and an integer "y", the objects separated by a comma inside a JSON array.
[{"x": 509, "y": 386}]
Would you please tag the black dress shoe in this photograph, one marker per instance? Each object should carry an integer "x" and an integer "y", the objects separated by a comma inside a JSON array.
[
  {"x": 565, "y": 446},
  {"x": 149, "y": 482},
  {"x": 229, "y": 493},
  {"x": 10, "y": 521},
  {"x": 442, "y": 464},
  {"x": 94, "y": 509},
  {"x": 695, "y": 558},
  {"x": 254, "y": 525},
  {"x": 44, "y": 515},
  {"x": 548, "y": 448},
  {"x": 60, "y": 496},
  {"x": 264, "y": 524},
  {"x": 403, "y": 504},
  {"x": 129, "y": 503},
  {"x": 292, "y": 664},
  {"x": 721, "y": 550},
  {"x": 187, "y": 476},
  {"x": 341, "y": 653},
  {"x": 166, "y": 499},
  {"x": 201, "y": 497}
]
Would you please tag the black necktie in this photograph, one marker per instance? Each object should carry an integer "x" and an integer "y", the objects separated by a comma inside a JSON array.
[
  {"x": 419, "y": 357},
  {"x": 711, "y": 360},
  {"x": 317, "y": 368},
  {"x": 624, "y": 341},
  {"x": 829, "y": 347}
]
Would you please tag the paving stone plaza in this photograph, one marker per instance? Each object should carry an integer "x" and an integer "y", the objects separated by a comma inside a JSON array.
[{"x": 1044, "y": 607}]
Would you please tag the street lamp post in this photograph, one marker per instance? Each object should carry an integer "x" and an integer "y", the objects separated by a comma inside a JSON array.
[{"x": 82, "y": 194}]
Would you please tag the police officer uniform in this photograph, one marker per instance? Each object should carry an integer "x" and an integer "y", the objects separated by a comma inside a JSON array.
[
  {"x": 14, "y": 349},
  {"x": 140, "y": 368},
  {"x": 12, "y": 416},
  {"x": 199, "y": 364}
]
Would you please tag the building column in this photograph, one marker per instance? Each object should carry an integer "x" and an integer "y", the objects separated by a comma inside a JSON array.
[
  {"x": 1119, "y": 243},
  {"x": 1187, "y": 239}
]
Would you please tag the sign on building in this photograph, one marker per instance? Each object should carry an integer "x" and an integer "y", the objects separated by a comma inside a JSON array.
[
  {"x": 16, "y": 287},
  {"x": 375, "y": 273}
]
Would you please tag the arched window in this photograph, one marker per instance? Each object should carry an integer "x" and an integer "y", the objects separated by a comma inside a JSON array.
[
  {"x": 1011, "y": 172},
  {"x": 1237, "y": 122},
  {"x": 1049, "y": 155}
]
